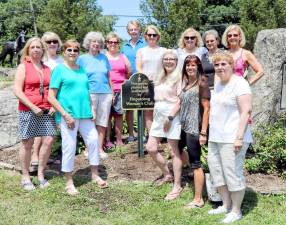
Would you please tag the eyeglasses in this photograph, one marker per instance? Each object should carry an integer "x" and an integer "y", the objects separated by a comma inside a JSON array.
[
  {"x": 169, "y": 59},
  {"x": 190, "y": 38},
  {"x": 113, "y": 42},
  {"x": 210, "y": 41},
  {"x": 133, "y": 29},
  {"x": 74, "y": 50},
  {"x": 52, "y": 41},
  {"x": 232, "y": 35},
  {"x": 152, "y": 35}
]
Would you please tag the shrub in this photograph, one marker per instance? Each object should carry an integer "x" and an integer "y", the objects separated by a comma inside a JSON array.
[{"x": 268, "y": 153}]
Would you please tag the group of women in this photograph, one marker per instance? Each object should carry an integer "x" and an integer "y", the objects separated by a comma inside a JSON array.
[{"x": 200, "y": 92}]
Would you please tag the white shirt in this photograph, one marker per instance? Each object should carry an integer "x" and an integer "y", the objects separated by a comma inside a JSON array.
[
  {"x": 151, "y": 61},
  {"x": 52, "y": 63},
  {"x": 224, "y": 113},
  {"x": 182, "y": 54}
]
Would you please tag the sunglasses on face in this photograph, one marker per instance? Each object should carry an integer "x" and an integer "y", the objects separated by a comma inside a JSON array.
[
  {"x": 186, "y": 38},
  {"x": 152, "y": 35},
  {"x": 232, "y": 35},
  {"x": 70, "y": 50},
  {"x": 52, "y": 41},
  {"x": 113, "y": 42}
]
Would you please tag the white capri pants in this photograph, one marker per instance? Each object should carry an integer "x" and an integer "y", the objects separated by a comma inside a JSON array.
[
  {"x": 226, "y": 166},
  {"x": 89, "y": 134}
]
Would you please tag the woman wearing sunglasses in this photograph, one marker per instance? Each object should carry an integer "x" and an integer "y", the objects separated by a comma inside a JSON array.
[
  {"x": 69, "y": 95},
  {"x": 98, "y": 69},
  {"x": 51, "y": 59},
  {"x": 190, "y": 43},
  {"x": 233, "y": 39},
  {"x": 35, "y": 115},
  {"x": 120, "y": 71},
  {"x": 148, "y": 62}
]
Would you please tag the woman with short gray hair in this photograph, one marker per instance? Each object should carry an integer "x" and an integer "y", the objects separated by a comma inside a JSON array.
[{"x": 97, "y": 68}]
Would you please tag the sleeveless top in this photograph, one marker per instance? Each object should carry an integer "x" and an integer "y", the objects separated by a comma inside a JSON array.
[
  {"x": 151, "y": 61},
  {"x": 240, "y": 65},
  {"x": 118, "y": 72},
  {"x": 32, "y": 86},
  {"x": 191, "y": 110}
]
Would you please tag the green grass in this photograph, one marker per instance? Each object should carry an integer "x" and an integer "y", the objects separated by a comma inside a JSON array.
[{"x": 122, "y": 203}]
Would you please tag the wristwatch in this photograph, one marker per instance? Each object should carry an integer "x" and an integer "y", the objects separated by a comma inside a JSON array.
[{"x": 170, "y": 118}]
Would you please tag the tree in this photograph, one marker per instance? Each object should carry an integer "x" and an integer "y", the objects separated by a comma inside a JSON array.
[
  {"x": 15, "y": 15},
  {"x": 172, "y": 17},
  {"x": 74, "y": 18}
]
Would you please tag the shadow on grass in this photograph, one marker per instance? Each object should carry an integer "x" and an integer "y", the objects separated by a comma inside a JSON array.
[{"x": 83, "y": 176}]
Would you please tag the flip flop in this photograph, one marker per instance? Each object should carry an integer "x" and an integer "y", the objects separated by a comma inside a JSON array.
[
  {"x": 28, "y": 186},
  {"x": 44, "y": 183},
  {"x": 194, "y": 205},
  {"x": 173, "y": 194},
  {"x": 163, "y": 180},
  {"x": 100, "y": 183}
]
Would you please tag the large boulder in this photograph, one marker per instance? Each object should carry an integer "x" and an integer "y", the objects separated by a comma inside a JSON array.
[
  {"x": 270, "y": 49},
  {"x": 8, "y": 118}
]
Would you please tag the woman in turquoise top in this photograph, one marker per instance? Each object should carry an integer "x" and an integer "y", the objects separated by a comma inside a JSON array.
[
  {"x": 69, "y": 95},
  {"x": 97, "y": 68}
]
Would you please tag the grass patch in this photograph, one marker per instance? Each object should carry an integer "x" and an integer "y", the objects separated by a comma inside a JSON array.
[{"x": 122, "y": 203}]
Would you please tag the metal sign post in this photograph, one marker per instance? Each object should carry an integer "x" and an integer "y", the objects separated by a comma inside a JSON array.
[{"x": 137, "y": 93}]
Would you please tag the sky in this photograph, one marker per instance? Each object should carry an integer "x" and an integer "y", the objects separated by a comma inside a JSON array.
[{"x": 121, "y": 7}]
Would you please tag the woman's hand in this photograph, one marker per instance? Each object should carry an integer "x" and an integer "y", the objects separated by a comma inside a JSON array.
[
  {"x": 37, "y": 111},
  {"x": 51, "y": 111},
  {"x": 69, "y": 121},
  {"x": 202, "y": 139},
  {"x": 167, "y": 125},
  {"x": 237, "y": 145}
]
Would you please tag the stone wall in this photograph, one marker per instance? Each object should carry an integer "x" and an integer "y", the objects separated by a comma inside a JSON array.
[
  {"x": 270, "y": 49},
  {"x": 8, "y": 118}
]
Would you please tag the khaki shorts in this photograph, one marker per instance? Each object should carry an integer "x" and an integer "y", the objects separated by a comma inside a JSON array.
[
  {"x": 226, "y": 167},
  {"x": 102, "y": 104}
]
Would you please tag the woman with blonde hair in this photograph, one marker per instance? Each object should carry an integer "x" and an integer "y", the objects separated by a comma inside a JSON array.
[
  {"x": 53, "y": 44},
  {"x": 148, "y": 62},
  {"x": 229, "y": 136},
  {"x": 166, "y": 123},
  {"x": 233, "y": 39},
  {"x": 190, "y": 43},
  {"x": 35, "y": 115}
]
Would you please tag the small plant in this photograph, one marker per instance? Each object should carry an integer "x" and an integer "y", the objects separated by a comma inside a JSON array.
[{"x": 268, "y": 152}]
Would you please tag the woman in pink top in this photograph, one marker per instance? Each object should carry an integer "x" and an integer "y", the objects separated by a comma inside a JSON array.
[
  {"x": 35, "y": 113},
  {"x": 234, "y": 39},
  {"x": 166, "y": 122},
  {"x": 120, "y": 71}
]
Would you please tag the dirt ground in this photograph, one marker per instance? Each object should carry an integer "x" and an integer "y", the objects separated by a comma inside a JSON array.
[{"x": 125, "y": 165}]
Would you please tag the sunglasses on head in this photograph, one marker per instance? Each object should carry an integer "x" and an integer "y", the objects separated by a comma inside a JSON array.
[
  {"x": 75, "y": 50},
  {"x": 52, "y": 41},
  {"x": 190, "y": 38},
  {"x": 113, "y": 42},
  {"x": 232, "y": 35},
  {"x": 152, "y": 35}
]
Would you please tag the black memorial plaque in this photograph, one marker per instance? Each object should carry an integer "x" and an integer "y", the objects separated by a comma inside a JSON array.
[{"x": 138, "y": 93}]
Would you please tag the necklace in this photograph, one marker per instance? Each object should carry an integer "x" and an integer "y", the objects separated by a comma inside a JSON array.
[
  {"x": 189, "y": 86},
  {"x": 41, "y": 76}
]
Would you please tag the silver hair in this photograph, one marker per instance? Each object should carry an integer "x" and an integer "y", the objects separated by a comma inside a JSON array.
[{"x": 91, "y": 36}]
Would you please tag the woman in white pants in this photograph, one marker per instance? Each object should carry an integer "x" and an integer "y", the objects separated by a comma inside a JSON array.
[
  {"x": 229, "y": 136},
  {"x": 69, "y": 95}
]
